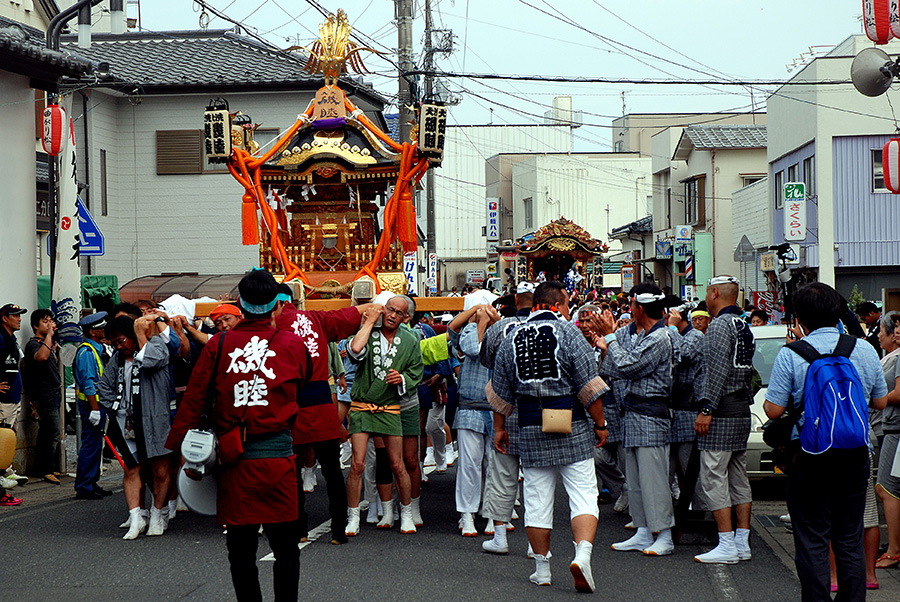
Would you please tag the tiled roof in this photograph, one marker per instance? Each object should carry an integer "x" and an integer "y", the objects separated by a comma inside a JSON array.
[
  {"x": 715, "y": 137},
  {"x": 641, "y": 226},
  {"x": 210, "y": 58},
  {"x": 22, "y": 49}
]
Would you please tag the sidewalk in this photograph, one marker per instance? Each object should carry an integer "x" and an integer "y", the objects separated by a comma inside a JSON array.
[{"x": 767, "y": 524}]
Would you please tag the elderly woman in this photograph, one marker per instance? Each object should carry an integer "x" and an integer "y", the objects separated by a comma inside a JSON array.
[
  {"x": 888, "y": 486},
  {"x": 136, "y": 391}
]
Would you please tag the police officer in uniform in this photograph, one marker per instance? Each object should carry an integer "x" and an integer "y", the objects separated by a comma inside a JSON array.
[{"x": 87, "y": 369}]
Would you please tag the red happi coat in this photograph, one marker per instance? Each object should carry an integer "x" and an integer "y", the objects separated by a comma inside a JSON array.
[
  {"x": 259, "y": 490},
  {"x": 318, "y": 417}
]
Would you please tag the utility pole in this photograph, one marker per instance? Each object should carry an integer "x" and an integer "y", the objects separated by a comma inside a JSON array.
[
  {"x": 429, "y": 176},
  {"x": 404, "y": 10}
]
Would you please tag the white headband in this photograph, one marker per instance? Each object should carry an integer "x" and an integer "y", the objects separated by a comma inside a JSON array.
[
  {"x": 723, "y": 280},
  {"x": 644, "y": 298}
]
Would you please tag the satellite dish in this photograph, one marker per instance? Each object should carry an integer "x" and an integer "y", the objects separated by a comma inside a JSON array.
[{"x": 871, "y": 73}]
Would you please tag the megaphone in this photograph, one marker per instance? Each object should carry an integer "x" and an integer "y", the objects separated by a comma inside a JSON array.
[
  {"x": 872, "y": 72},
  {"x": 197, "y": 484}
]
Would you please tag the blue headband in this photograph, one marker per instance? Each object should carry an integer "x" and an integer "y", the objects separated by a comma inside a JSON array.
[{"x": 259, "y": 309}]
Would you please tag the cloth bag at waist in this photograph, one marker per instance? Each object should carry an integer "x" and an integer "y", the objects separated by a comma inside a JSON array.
[
  {"x": 734, "y": 405},
  {"x": 657, "y": 407},
  {"x": 268, "y": 445},
  {"x": 530, "y": 408}
]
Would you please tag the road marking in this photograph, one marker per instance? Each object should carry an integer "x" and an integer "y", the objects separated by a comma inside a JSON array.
[
  {"x": 313, "y": 536},
  {"x": 726, "y": 588}
]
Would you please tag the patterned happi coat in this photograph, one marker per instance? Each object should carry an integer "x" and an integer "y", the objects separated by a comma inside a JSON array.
[
  {"x": 259, "y": 375},
  {"x": 318, "y": 418}
]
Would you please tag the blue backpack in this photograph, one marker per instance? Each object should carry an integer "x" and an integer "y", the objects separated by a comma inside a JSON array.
[{"x": 836, "y": 414}]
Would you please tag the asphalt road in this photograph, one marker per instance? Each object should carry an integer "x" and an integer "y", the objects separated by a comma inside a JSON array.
[{"x": 57, "y": 548}]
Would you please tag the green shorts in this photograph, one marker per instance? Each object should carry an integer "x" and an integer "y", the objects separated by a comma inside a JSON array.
[
  {"x": 381, "y": 423},
  {"x": 410, "y": 420}
]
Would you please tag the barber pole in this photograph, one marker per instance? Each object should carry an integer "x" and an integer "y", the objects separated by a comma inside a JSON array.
[
  {"x": 689, "y": 267},
  {"x": 56, "y": 126},
  {"x": 890, "y": 161}
]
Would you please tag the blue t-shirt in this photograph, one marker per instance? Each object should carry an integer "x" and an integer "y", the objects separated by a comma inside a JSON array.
[{"x": 789, "y": 370}]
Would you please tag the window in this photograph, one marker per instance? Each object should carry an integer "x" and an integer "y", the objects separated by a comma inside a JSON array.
[
  {"x": 747, "y": 180},
  {"x": 695, "y": 202},
  {"x": 809, "y": 175},
  {"x": 528, "y": 206},
  {"x": 179, "y": 152},
  {"x": 104, "y": 208},
  {"x": 779, "y": 190},
  {"x": 792, "y": 172},
  {"x": 877, "y": 172}
]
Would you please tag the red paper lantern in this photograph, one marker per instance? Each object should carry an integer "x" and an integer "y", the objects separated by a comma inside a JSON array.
[
  {"x": 877, "y": 19},
  {"x": 55, "y": 130},
  {"x": 890, "y": 162}
]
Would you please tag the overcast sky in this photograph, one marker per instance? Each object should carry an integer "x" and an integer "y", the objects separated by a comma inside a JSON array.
[{"x": 702, "y": 39}]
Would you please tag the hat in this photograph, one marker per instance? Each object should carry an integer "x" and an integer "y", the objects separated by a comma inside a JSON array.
[
  {"x": 224, "y": 309},
  {"x": 11, "y": 309},
  {"x": 446, "y": 318},
  {"x": 524, "y": 287},
  {"x": 625, "y": 316},
  {"x": 93, "y": 321}
]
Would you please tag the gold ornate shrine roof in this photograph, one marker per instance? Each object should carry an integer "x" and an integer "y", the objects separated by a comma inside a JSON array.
[{"x": 561, "y": 236}]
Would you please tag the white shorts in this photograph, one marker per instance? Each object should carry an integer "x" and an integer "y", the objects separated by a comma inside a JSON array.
[{"x": 539, "y": 487}]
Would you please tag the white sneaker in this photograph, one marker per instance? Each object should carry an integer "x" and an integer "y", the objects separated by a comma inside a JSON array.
[
  {"x": 467, "y": 525},
  {"x": 785, "y": 518},
  {"x": 450, "y": 455},
  {"x": 416, "y": 512},
  {"x": 352, "y": 528},
  {"x": 372, "y": 514},
  {"x": 541, "y": 574},
  {"x": 429, "y": 456},
  {"x": 309, "y": 479},
  {"x": 663, "y": 546},
  {"x": 166, "y": 515},
  {"x": 515, "y": 515},
  {"x": 19, "y": 479},
  {"x": 742, "y": 543},
  {"x": 156, "y": 526},
  {"x": 630, "y": 525},
  {"x": 492, "y": 546},
  {"x": 180, "y": 506},
  {"x": 173, "y": 511},
  {"x": 407, "y": 525},
  {"x": 724, "y": 553},
  {"x": 489, "y": 529},
  {"x": 387, "y": 521},
  {"x": 638, "y": 542},
  {"x": 581, "y": 567},
  {"x": 621, "y": 504},
  {"x": 127, "y": 524},
  {"x": 7, "y": 483},
  {"x": 138, "y": 524}
]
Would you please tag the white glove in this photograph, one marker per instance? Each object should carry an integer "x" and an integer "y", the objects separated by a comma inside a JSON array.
[{"x": 94, "y": 418}]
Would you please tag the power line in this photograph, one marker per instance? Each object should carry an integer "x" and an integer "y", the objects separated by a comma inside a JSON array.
[{"x": 564, "y": 79}]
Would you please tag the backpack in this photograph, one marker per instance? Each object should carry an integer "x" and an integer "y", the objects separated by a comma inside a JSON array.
[{"x": 836, "y": 414}]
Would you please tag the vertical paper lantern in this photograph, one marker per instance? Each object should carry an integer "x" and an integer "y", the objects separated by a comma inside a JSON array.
[
  {"x": 877, "y": 19},
  {"x": 890, "y": 161},
  {"x": 55, "y": 130}
]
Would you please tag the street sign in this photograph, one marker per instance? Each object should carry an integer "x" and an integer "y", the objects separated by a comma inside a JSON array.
[
  {"x": 795, "y": 211},
  {"x": 767, "y": 262},
  {"x": 432, "y": 272},
  {"x": 683, "y": 233},
  {"x": 409, "y": 268},
  {"x": 92, "y": 242},
  {"x": 687, "y": 292},
  {"x": 492, "y": 231},
  {"x": 475, "y": 276},
  {"x": 744, "y": 252},
  {"x": 627, "y": 278},
  {"x": 664, "y": 249}
]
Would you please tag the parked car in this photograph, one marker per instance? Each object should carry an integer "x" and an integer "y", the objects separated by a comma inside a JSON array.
[{"x": 769, "y": 341}]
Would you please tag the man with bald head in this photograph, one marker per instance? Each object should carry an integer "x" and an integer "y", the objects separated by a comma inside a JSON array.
[{"x": 723, "y": 424}]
